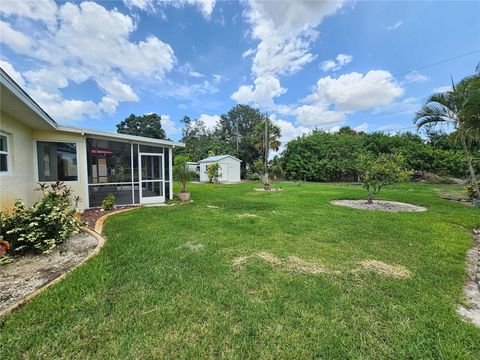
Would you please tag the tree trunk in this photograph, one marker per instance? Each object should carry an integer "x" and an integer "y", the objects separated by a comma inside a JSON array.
[
  {"x": 471, "y": 170},
  {"x": 370, "y": 198},
  {"x": 266, "y": 182}
]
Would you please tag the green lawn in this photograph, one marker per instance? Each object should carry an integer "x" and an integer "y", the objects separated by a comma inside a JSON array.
[{"x": 147, "y": 296}]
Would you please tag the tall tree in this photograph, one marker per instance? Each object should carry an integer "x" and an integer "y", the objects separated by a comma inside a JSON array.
[
  {"x": 461, "y": 108},
  {"x": 266, "y": 137},
  {"x": 238, "y": 128},
  {"x": 148, "y": 125}
]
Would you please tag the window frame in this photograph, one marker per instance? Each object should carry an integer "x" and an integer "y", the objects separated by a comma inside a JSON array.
[
  {"x": 8, "y": 153},
  {"x": 35, "y": 159}
]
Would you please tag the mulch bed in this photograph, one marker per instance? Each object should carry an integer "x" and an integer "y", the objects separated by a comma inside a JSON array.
[{"x": 90, "y": 216}]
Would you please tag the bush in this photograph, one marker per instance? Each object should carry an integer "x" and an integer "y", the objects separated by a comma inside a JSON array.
[
  {"x": 380, "y": 171},
  {"x": 182, "y": 173},
  {"x": 109, "y": 202},
  {"x": 213, "y": 172},
  {"x": 38, "y": 229}
]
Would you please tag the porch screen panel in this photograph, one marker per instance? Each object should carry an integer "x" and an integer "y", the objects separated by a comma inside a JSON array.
[
  {"x": 109, "y": 161},
  {"x": 166, "y": 153},
  {"x": 109, "y": 171}
]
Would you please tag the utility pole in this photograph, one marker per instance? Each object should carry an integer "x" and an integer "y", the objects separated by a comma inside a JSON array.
[{"x": 266, "y": 183}]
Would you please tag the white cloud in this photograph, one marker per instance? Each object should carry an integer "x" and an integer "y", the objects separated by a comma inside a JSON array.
[
  {"x": 355, "y": 91},
  {"x": 395, "y": 26},
  {"x": 204, "y": 6},
  {"x": 117, "y": 90},
  {"x": 363, "y": 127},
  {"x": 287, "y": 130},
  {"x": 415, "y": 76},
  {"x": 46, "y": 78},
  {"x": 262, "y": 93},
  {"x": 318, "y": 116},
  {"x": 188, "y": 91},
  {"x": 442, "y": 89},
  {"x": 16, "y": 40},
  {"x": 335, "y": 65},
  {"x": 144, "y": 5},
  {"x": 285, "y": 30},
  {"x": 15, "y": 75},
  {"x": 170, "y": 126},
  {"x": 44, "y": 11},
  {"x": 188, "y": 70},
  {"x": 110, "y": 60},
  {"x": 248, "y": 53},
  {"x": 210, "y": 121}
]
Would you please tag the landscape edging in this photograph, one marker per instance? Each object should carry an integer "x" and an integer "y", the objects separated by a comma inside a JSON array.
[{"x": 101, "y": 242}]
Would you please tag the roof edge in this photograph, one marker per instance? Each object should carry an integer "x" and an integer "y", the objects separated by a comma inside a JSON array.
[
  {"x": 221, "y": 158},
  {"x": 113, "y": 135},
  {"x": 27, "y": 100}
]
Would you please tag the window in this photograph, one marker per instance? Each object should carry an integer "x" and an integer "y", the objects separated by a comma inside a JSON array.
[
  {"x": 4, "y": 153},
  {"x": 57, "y": 161}
]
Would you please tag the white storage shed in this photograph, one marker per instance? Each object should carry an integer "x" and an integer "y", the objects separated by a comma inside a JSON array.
[{"x": 229, "y": 168}]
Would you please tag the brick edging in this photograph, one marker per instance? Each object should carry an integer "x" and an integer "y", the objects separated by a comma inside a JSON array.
[{"x": 101, "y": 242}]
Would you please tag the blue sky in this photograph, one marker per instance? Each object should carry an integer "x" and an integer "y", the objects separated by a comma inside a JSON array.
[{"x": 310, "y": 64}]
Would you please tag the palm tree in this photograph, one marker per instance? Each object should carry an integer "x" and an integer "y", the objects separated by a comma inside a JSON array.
[
  {"x": 266, "y": 137},
  {"x": 461, "y": 108}
]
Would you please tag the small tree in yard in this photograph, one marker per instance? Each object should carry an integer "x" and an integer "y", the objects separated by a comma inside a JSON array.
[
  {"x": 213, "y": 172},
  {"x": 377, "y": 172},
  {"x": 182, "y": 173}
]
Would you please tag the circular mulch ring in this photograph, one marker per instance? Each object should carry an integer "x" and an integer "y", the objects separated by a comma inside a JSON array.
[
  {"x": 380, "y": 205},
  {"x": 271, "y": 190}
]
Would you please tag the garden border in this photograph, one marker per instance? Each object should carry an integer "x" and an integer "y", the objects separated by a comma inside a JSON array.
[{"x": 101, "y": 242}]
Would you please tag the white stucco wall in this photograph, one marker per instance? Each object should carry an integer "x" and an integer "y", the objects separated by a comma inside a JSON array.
[
  {"x": 18, "y": 182},
  {"x": 79, "y": 187}
]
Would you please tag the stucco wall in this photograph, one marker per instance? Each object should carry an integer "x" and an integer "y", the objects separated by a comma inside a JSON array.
[
  {"x": 22, "y": 177},
  {"x": 79, "y": 187},
  {"x": 18, "y": 182}
]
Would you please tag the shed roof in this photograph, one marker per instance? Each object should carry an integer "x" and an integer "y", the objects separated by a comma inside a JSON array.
[{"x": 218, "y": 158}]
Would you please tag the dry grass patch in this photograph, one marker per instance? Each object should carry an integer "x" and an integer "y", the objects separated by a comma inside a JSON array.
[
  {"x": 292, "y": 264},
  {"x": 295, "y": 264},
  {"x": 247, "y": 215},
  {"x": 191, "y": 246},
  {"x": 384, "y": 269}
]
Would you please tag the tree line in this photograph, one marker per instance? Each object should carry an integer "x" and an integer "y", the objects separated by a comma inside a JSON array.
[{"x": 325, "y": 156}]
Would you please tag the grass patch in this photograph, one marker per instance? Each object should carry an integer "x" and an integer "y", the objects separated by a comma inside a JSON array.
[{"x": 153, "y": 292}]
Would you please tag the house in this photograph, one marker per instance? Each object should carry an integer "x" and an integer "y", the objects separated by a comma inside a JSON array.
[
  {"x": 229, "y": 168},
  {"x": 35, "y": 149}
]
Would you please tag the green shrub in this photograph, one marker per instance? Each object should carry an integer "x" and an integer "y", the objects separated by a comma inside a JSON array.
[
  {"x": 182, "y": 173},
  {"x": 377, "y": 172},
  {"x": 109, "y": 202},
  {"x": 38, "y": 229},
  {"x": 213, "y": 172}
]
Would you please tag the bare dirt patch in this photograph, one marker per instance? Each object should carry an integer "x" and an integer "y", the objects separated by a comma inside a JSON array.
[
  {"x": 384, "y": 269},
  {"x": 27, "y": 274},
  {"x": 472, "y": 287},
  {"x": 213, "y": 207},
  {"x": 380, "y": 205}
]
